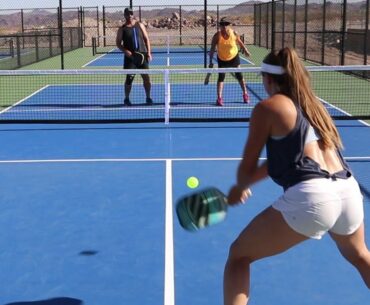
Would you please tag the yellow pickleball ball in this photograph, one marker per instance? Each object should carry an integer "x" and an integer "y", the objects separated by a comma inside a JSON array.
[{"x": 192, "y": 182}]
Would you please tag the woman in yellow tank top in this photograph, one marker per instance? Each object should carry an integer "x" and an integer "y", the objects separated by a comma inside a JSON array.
[{"x": 226, "y": 40}]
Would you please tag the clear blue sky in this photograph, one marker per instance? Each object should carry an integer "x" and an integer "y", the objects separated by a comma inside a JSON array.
[{"x": 9, "y": 4}]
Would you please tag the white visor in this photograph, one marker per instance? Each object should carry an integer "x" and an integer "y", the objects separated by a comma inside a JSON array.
[{"x": 272, "y": 69}]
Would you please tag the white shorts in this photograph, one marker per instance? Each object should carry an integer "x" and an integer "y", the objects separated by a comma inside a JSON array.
[{"x": 316, "y": 206}]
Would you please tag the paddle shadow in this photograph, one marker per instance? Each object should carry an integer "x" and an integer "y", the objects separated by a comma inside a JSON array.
[{"x": 54, "y": 301}]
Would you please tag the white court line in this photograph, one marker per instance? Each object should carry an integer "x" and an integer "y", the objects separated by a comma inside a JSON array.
[
  {"x": 87, "y": 109},
  {"x": 5, "y": 57},
  {"x": 350, "y": 158},
  {"x": 22, "y": 100},
  {"x": 115, "y": 160},
  {"x": 341, "y": 110},
  {"x": 169, "y": 274},
  {"x": 249, "y": 62},
  {"x": 91, "y": 61}
]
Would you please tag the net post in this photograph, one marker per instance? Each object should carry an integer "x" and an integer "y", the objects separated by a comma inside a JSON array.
[
  {"x": 167, "y": 96},
  {"x": 168, "y": 50},
  {"x": 11, "y": 47},
  {"x": 50, "y": 38},
  {"x": 168, "y": 44},
  {"x": 93, "y": 43},
  {"x": 18, "y": 51},
  {"x": 37, "y": 47}
]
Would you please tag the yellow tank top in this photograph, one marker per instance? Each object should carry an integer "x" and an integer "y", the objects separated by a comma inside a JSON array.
[{"x": 227, "y": 48}]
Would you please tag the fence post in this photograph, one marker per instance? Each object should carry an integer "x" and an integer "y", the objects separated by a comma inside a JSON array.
[
  {"x": 218, "y": 18},
  {"x": 37, "y": 46},
  {"x": 267, "y": 26},
  {"x": 180, "y": 8},
  {"x": 50, "y": 44},
  {"x": 104, "y": 30},
  {"x": 22, "y": 27},
  {"x": 344, "y": 28},
  {"x": 295, "y": 23},
  {"x": 323, "y": 33},
  {"x": 61, "y": 42},
  {"x": 81, "y": 24},
  {"x": 97, "y": 24},
  {"x": 305, "y": 29},
  {"x": 273, "y": 19},
  {"x": 254, "y": 25},
  {"x": 205, "y": 33},
  {"x": 366, "y": 36}
]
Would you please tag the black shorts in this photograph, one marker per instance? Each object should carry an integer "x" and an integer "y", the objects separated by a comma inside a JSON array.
[
  {"x": 233, "y": 63},
  {"x": 129, "y": 64}
]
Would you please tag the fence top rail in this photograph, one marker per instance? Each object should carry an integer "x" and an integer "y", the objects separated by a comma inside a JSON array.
[
  {"x": 182, "y": 5},
  {"x": 36, "y": 8}
]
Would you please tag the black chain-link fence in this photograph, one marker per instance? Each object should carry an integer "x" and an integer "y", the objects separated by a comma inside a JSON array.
[
  {"x": 28, "y": 36},
  {"x": 184, "y": 23},
  {"x": 332, "y": 32}
]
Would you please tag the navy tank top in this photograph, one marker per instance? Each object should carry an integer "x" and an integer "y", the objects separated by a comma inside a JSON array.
[
  {"x": 287, "y": 164},
  {"x": 132, "y": 38}
]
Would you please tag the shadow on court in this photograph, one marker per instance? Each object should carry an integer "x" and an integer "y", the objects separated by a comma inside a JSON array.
[{"x": 54, "y": 301}]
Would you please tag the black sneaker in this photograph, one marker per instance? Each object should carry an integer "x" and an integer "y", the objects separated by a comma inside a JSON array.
[
  {"x": 149, "y": 101},
  {"x": 127, "y": 102}
]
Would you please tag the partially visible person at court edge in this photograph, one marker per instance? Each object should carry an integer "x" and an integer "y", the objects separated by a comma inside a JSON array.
[
  {"x": 321, "y": 195},
  {"x": 133, "y": 40},
  {"x": 226, "y": 41}
]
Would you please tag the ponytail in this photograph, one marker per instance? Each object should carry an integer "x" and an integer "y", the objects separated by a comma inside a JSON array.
[{"x": 295, "y": 83}]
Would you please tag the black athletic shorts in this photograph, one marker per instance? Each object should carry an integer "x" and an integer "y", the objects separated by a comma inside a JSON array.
[
  {"x": 233, "y": 63},
  {"x": 129, "y": 64}
]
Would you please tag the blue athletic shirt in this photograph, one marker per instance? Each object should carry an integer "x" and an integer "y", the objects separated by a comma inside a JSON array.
[{"x": 287, "y": 164}]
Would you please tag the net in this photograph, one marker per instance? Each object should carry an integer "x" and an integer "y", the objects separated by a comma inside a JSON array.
[
  {"x": 179, "y": 95},
  {"x": 159, "y": 43}
]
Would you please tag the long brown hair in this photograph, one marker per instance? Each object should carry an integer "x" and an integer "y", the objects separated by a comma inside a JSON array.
[{"x": 295, "y": 83}]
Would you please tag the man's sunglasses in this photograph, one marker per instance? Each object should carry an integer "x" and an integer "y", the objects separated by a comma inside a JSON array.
[{"x": 129, "y": 13}]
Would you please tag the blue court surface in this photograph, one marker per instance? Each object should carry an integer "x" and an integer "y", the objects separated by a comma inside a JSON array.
[
  {"x": 159, "y": 59},
  {"x": 87, "y": 217}
]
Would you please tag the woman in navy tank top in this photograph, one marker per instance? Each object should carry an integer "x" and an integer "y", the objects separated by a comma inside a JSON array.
[{"x": 320, "y": 193}]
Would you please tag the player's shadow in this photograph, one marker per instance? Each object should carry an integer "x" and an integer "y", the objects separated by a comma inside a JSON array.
[{"x": 54, "y": 301}]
